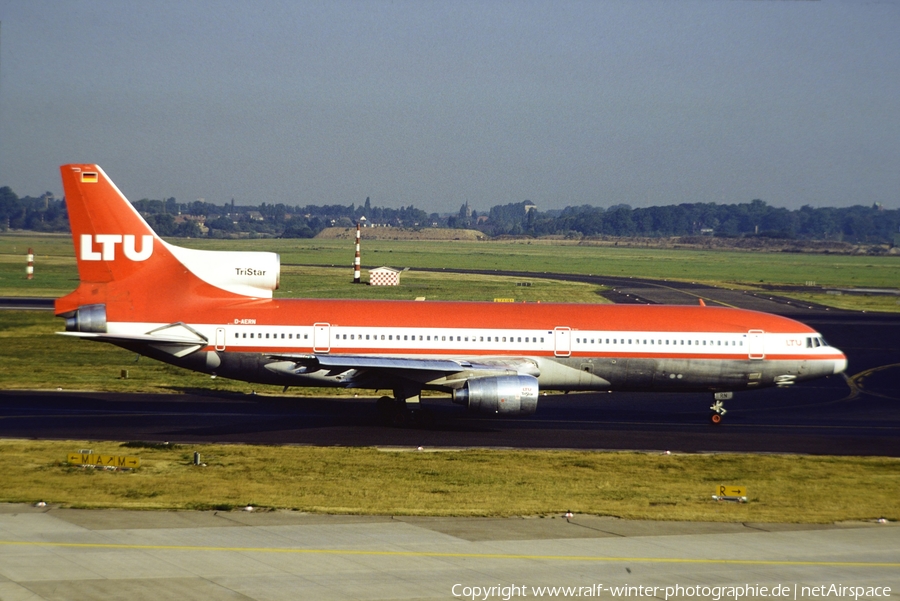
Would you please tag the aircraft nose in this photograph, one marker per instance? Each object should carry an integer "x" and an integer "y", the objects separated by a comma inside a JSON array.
[{"x": 840, "y": 364}]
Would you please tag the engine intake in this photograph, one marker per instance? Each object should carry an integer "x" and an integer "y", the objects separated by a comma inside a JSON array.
[
  {"x": 254, "y": 274},
  {"x": 508, "y": 395}
]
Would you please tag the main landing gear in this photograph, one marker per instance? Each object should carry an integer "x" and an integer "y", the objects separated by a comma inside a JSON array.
[
  {"x": 718, "y": 407},
  {"x": 403, "y": 410}
]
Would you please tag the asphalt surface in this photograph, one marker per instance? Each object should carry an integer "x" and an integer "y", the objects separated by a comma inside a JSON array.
[
  {"x": 24, "y": 303},
  {"x": 58, "y": 554},
  {"x": 857, "y": 413}
]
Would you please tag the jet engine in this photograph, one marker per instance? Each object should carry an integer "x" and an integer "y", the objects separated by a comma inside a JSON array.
[
  {"x": 508, "y": 395},
  {"x": 254, "y": 274},
  {"x": 87, "y": 318}
]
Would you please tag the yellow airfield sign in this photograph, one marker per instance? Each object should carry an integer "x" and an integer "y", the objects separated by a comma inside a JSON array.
[
  {"x": 121, "y": 461},
  {"x": 731, "y": 491}
]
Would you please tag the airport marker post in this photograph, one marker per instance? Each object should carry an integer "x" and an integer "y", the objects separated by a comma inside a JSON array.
[{"x": 356, "y": 259}]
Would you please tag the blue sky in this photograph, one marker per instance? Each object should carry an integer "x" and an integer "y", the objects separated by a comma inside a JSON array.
[{"x": 434, "y": 104}]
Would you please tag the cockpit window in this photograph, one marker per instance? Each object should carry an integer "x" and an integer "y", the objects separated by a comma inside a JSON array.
[{"x": 815, "y": 342}]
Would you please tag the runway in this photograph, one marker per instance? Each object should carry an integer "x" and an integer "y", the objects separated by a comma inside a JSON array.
[{"x": 825, "y": 418}]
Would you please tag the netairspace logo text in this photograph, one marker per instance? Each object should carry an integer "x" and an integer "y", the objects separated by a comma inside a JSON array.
[{"x": 717, "y": 593}]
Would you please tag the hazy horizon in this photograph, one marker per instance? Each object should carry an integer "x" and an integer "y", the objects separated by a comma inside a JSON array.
[{"x": 436, "y": 104}]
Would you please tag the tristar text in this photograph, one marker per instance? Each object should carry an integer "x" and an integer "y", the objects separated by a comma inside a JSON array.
[{"x": 106, "y": 245}]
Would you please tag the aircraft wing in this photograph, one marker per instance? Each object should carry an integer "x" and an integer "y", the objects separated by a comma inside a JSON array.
[{"x": 363, "y": 370}]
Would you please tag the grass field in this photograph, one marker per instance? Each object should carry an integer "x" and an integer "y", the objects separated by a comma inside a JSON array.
[
  {"x": 55, "y": 265},
  {"x": 465, "y": 483}
]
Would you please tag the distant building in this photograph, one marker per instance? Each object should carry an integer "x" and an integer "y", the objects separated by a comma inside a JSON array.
[{"x": 384, "y": 276}]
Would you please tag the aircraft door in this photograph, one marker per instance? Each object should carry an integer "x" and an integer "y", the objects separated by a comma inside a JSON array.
[
  {"x": 220, "y": 339},
  {"x": 562, "y": 341},
  {"x": 756, "y": 342},
  {"x": 321, "y": 338}
]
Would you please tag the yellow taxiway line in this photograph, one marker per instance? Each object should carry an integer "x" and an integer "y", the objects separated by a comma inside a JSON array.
[{"x": 438, "y": 554}]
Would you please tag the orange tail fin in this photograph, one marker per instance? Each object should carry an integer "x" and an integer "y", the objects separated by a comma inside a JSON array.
[{"x": 122, "y": 261}]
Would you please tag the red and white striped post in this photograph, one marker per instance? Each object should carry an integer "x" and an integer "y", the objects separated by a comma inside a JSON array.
[
  {"x": 29, "y": 268},
  {"x": 356, "y": 260}
]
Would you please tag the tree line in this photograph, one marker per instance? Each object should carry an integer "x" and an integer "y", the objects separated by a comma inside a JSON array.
[{"x": 863, "y": 224}]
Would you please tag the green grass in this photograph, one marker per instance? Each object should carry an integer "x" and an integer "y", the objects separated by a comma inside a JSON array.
[
  {"x": 331, "y": 282},
  {"x": 465, "y": 483},
  {"x": 870, "y": 302},
  {"x": 56, "y": 274},
  {"x": 740, "y": 267}
]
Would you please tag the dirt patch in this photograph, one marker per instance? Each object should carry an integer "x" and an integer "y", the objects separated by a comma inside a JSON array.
[{"x": 399, "y": 233}]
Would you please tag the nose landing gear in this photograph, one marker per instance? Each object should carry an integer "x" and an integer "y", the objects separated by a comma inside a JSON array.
[{"x": 718, "y": 407}]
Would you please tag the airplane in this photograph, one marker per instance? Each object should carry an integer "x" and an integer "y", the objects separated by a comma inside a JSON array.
[{"x": 214, "y": 312}]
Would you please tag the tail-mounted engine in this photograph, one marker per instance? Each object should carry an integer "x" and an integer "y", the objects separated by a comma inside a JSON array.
[
  {"x": 87, "y": 318},
  {"x": 254, "y": 274},
  {"x": 510, "y": 395}
]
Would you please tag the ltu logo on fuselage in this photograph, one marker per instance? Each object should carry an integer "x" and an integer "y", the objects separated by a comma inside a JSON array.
[{"x": 107, "y": 247}]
